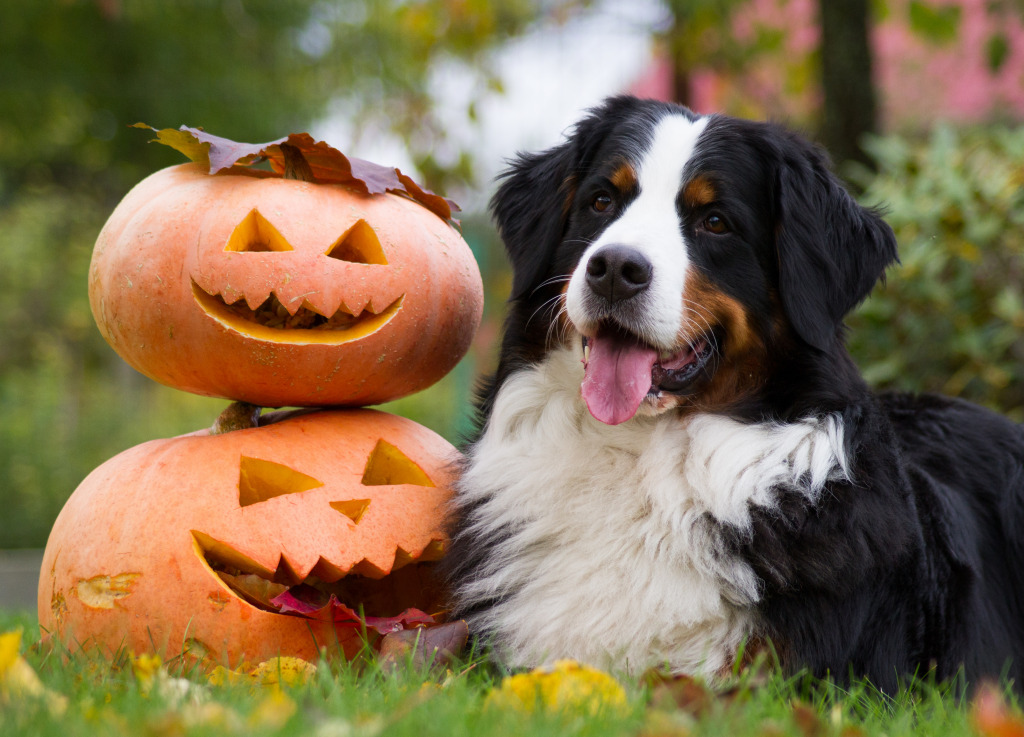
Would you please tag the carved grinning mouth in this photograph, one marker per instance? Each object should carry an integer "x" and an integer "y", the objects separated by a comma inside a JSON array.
[
  {"x": 364, "y": 589},
  {"x": 272, "y": 321}
]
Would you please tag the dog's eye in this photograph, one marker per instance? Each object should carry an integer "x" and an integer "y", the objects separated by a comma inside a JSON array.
[
  {"x": 715, "y": 224},
  {"x": 601, "y": 203}
]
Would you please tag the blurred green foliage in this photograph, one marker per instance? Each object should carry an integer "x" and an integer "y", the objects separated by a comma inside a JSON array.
[
  {"x": 950, "y": 318},
  {"x": 76, "y": 73}
]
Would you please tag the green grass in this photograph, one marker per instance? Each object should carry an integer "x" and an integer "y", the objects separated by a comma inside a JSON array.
[{"x": 358, "y": 700}]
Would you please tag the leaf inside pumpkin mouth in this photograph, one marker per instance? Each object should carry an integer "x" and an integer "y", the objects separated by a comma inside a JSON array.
[
  {"x": 364, "y": 597},
  {"x": 272, "y": 321}
]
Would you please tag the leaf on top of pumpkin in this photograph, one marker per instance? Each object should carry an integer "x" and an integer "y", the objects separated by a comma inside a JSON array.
[{"x": 326, "y": 163}]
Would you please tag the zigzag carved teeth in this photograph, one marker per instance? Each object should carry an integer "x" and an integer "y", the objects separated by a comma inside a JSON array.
[
  {"x": 274, "y": 314},
  {"x": 367, "y": 586},
  {"x": 223, "y": 558}
]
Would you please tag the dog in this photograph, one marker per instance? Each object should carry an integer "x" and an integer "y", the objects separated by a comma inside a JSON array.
[{"x": 677, "y": 459}]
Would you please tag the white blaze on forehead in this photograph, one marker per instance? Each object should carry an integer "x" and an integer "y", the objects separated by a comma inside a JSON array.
[
  {"x": 671, "y": 147},
  {"x": 650, "y": 224}
]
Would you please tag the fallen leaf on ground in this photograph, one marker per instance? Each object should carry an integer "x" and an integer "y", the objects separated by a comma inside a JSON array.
[
  {"x": 992, "y": 716},
  {"x": 564, "y": 686},
  {"x": 284, "y": 669},
  {"x": 436, "y": 644},
  {"x": 273, "y": 712},
  {"x": 153, "y": 678},
  {"x": 808, "y": 720},
  {"x": 19, "y": 682},
  {"x": 690, "y": 694}
]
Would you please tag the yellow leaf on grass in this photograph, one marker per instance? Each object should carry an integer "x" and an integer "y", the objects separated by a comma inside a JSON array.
[
  {"x": 273, "y": 711},
  {"x": 564, "y": 686},
  {"x": 10, "y": 646},
  {"x": 18, "y": 681},
  {"x": 288, "y": 670},
  {"x": 221, "y": 676},
  {"x": 146, "y": 668}
]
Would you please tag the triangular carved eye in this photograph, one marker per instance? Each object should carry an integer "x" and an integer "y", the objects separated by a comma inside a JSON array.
[
  {"x": 255, "y": 233},
  {"x": 359, "y": 245},
  {"x": 387, "y": 465},
  {"x": 260, "y": 480}
]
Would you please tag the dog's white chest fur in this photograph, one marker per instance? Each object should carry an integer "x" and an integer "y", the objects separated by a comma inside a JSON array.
[{"x": 605, "y": 539}]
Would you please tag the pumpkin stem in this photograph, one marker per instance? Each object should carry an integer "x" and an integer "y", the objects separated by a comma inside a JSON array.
[
  {"x": 237, "y": 416},
  {"x": 295, "y": 164}
]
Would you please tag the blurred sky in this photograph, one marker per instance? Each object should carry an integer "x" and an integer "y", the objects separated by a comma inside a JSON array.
[{"x": 550, "y": 77}]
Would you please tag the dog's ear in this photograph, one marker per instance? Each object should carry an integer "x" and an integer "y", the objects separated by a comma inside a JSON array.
[
  {"x": 531, "y": 208},
  {"x": 831, "y": 250}
]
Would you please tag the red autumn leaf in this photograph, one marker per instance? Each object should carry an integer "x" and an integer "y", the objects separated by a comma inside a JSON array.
[
  {"x": 326, "y": 163},
  {"x": 305, "y": 601},
  {"x": 992, "y": 716},
  {"x": 407, "y": 619},
  {"x": 301, "y": 599}
]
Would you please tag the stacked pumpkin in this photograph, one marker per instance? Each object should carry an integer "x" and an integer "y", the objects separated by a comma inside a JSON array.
[{"x": 324, "y": 282}]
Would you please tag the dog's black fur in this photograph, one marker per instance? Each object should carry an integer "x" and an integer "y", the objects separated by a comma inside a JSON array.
[{"x": 918, "y": 562}]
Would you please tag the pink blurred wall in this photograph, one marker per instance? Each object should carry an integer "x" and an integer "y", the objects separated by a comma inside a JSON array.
[{"x": 918, "y": 80}]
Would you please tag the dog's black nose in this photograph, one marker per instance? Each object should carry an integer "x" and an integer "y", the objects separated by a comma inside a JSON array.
[{"x": 618, "y": 272}]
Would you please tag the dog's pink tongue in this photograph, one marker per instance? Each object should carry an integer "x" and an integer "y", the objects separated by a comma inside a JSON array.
[{"x": 617, "y": 377}]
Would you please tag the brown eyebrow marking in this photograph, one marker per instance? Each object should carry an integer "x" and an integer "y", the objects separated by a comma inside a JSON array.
[
  {"x": 624, "y": 177},
  {"x": 699, "y": 191}
]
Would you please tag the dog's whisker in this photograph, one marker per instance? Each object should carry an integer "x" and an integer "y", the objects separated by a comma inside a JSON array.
[
  {"x": 548, "y": 282},
  {"x": 544, "y": 305}
]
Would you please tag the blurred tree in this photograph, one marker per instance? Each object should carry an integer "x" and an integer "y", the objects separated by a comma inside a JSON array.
[
  {"x": 699, "y": 33},
  {"x": 848, "y": 90}
]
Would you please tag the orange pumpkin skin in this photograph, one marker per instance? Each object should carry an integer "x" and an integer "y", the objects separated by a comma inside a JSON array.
[
  {"x": 184, "y": 245},
  {"x": 131, "y": 558}
]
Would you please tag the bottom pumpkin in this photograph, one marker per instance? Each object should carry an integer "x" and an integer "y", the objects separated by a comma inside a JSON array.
[{"x": 292, "y": 538}]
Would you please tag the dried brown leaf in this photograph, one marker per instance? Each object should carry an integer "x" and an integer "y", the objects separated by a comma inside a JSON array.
[
  {"x": 326, "y": 164},
  {"x": 436, "y": 644},
  {"x": 808, "y": 720},
  {"x": 679, "y": 691}
]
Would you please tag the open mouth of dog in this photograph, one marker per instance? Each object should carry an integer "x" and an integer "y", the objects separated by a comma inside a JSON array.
[{"x": 621, "y": 371}]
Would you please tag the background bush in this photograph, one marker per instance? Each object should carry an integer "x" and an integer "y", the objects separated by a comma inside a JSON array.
[{"x": 950, "y": 318}]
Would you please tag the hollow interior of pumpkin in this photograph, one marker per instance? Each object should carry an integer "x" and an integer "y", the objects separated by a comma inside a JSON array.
[{"x": 412, "y": 583}]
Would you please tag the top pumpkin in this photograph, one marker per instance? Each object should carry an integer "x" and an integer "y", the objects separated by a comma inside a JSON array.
[{"x": 274, "y": 291}]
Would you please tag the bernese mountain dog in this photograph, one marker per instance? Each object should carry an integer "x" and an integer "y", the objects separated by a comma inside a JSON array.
[{"x": 677, "y": 457}]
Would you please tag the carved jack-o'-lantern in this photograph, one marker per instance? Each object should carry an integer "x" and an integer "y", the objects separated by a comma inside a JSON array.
[
  {"x": 197, "y": 542},
  {"x": 273, "y": 291}
]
